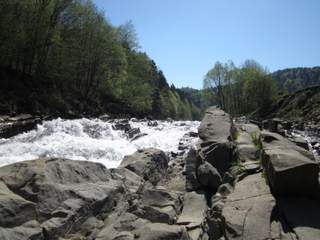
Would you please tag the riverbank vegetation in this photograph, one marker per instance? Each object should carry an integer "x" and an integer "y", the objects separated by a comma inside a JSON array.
[
  {"x": 65, "y": 58},
  {"x": 241, "y": 90}
]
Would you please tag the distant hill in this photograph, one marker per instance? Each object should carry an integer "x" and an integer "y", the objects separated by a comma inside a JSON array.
[
  {"x": 302, "y": 105},
  {"x": 294, "y": 79}
]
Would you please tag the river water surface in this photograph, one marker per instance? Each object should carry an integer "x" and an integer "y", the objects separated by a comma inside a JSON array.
[{"x": 92, "y": 140}]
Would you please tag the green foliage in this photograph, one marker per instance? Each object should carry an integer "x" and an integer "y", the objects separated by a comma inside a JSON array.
[
  {"x": 256, "y": 140},
  {"x": 240, "y": 90},
  {"x": 67, "y": 56}
]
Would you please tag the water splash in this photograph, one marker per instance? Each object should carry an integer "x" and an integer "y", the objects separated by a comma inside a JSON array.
[{"x": 91, "y": 140}]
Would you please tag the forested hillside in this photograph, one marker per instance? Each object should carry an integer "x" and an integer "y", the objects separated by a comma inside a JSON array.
[
  {"x": 303, "y": 105},
  {"x": 293, "y": 79},
  {"x": 63, "y": 57}
]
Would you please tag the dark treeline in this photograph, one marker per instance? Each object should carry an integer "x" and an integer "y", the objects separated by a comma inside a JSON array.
[{"x": 63, "y": 57}]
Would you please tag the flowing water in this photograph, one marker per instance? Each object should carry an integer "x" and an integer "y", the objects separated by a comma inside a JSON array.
[{"x": 92, "y": 140}]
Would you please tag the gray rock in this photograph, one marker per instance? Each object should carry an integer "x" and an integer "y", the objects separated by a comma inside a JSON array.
[
  {"x": 192, "y": 163},
  {"x": 18, "y": 125},
  {"x": 300, "y": 141},
  {"x": 302, "y": 216},
  {"x": 290, "y": 169},
  {"x": 131, "y": 180},
  {"x": 151, "y": 164},
  {"x": 216, "y": 146},
  {"x": 248, "y": 140},
  {"x": 158, "y": 205},
  {"x": 215, "y": 126},
  {"x": 247, "y": 212},
  {"x": 133, "y": 132},
  {"x": 28, "y": 231},
  {"x": 65, "y": 192},
  {"x": 209, "y": 177},
  {"x": 160, "y": 231},
  {"x": 121, "y": 226},
  {"x": 14, "y": 210},
  {"x": 219, "y": 155},
  {"x": 193, "y": 215}
]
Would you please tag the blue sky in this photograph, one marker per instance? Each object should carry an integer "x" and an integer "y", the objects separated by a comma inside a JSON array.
[{"x": 186, "y": 37}]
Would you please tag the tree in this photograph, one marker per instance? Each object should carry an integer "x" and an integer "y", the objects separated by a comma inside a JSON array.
[
  {"x": 215, "y": 79},
  {"x": 240, "y": 90}
]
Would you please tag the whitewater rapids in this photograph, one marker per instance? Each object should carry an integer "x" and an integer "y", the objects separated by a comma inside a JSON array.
[{"x": 92, "y": 140}]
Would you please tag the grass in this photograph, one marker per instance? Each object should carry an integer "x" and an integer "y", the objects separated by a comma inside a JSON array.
[{"x": 256, "y": 139}]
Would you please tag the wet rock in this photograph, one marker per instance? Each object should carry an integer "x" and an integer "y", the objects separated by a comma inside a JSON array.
[
  {"x": 193, "y": 134},
  {"x": 105, "y": 117},
  {"x": 152, "y": 123},
  {"x": 136, "y": 137},
  {"x": 122, "y": 125},
  {"x": 150, "y": 164},
  {"x": 19, "y": 124},
  {"x": 209, "y": 177},
  {"x": 133, "y": 132}
]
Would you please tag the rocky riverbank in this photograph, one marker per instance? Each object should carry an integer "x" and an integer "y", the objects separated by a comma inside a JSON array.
[{"x": 238, "y": 183}]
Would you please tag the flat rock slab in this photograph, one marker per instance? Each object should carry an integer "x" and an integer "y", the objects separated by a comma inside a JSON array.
[
  {"x": 216, "y": 146},
  {"x": 194, "y": 210},
  {"x": 248, "y": 210}
]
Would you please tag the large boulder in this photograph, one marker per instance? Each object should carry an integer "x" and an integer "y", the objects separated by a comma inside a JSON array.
[
  {"x": 290, "y": 170},
  {"x": 63, "y": 192},
  {"x": 151, "y": 164},
  {"x": 209, "y": 177},
  {"x": 215, "y": 126},
  {"x": 216, "y": 146},
  {"x": 218, "y": 154}
]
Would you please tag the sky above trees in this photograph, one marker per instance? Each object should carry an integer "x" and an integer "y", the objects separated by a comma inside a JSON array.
[{"x": 186, "y": 37}]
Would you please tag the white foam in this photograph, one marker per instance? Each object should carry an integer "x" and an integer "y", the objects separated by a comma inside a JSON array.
[{"x": 90, "y": 140}]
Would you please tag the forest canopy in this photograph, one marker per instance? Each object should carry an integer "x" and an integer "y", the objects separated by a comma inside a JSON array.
[
  {"x": 241, "y": 90},
  {"x": 64, "y": 56}
]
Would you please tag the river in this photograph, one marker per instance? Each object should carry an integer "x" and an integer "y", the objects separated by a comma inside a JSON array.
[{"x": 94, "y": 140}]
